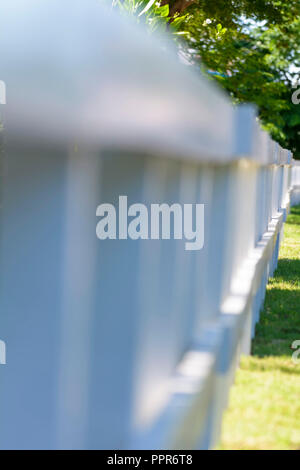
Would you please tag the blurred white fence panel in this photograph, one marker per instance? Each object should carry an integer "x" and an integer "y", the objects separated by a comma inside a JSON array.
[
  {"x": 295, "y": 177},
  {"x": 124, "y": 343}
]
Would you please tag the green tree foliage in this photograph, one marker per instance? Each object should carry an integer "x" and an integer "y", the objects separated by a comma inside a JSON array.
[
  {"x": 251, "y": 47},
  {"x": 253, "y": 51},
  {"x": 256, "y": 62},
  {"x": 154, "y": 15},
  {"x": 229, "y": 12}
]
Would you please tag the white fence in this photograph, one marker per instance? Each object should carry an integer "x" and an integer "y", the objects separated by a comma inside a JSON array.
[{"x": 124, "y": 343}]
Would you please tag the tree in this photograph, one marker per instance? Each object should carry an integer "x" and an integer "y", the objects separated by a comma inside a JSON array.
[
  {"x": 254, "y": 62},
  {"x": 251, "y": 47}
]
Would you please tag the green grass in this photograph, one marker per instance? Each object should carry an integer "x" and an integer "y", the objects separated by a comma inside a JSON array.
[{"x": 264, "y": 409}]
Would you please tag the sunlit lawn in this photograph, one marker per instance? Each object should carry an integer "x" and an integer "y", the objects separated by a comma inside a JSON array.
[{"x": 264, "y": 411}]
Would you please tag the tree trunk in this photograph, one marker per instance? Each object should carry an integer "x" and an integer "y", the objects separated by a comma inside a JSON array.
[{"x": 177, "y": 6}]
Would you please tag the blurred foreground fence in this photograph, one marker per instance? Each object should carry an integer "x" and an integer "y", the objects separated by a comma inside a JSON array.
[{"x": 124, "y": 343}]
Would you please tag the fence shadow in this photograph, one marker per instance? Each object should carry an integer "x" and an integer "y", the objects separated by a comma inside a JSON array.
[{"x": 279, "y": 323}]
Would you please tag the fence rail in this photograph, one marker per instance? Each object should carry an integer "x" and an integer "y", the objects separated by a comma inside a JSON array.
[{"x": 125, "y": 343}]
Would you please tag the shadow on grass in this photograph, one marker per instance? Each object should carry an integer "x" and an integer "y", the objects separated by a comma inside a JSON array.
[
  {"x": 294, "y": 216},
  {"x": 288, "y": 270},
  {"x": 279, "y": 323},
  {"x": 272, "y": 363}
]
